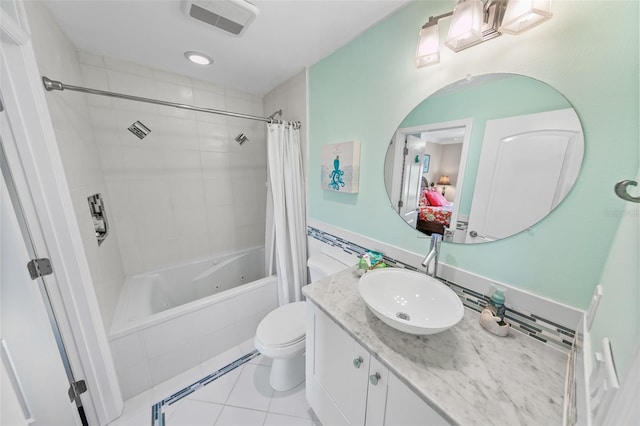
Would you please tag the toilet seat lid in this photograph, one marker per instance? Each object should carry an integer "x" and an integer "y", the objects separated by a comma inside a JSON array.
[{"x": 283, "y": 326}]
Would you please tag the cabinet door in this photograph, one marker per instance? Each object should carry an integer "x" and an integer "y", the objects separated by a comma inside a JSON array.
[
  {"x": 377, "y": 394},
  {"x": 406, "y": 408},
  {"x": 336, "y": 373}
]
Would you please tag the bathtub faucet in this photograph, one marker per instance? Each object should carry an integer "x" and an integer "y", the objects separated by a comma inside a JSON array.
[{"x": 434, "y": 252}]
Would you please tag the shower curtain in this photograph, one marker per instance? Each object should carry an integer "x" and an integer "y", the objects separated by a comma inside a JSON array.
[{"x": 286, "y": 228}]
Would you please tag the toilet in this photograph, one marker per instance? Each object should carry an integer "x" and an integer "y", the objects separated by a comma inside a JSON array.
[{"x": 281, "y": 334}]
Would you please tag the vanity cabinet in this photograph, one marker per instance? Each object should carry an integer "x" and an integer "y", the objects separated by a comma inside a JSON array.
[{"x": 346, "y": 385}]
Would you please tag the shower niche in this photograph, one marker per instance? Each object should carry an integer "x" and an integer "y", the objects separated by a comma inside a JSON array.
[{"x": 99, "y": 217}]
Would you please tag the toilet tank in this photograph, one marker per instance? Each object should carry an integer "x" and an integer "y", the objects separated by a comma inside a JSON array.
[{"x": 321, "y": 266}]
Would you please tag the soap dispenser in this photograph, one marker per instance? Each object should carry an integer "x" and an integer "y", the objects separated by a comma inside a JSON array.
[
  {"x": 496, "y": 303},
  {"x": 492, "y": 317}
]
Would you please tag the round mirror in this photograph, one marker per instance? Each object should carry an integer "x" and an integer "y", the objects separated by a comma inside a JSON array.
[{"x": 484, "y": 158}]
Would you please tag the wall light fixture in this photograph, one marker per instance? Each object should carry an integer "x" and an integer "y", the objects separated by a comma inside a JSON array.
[{"x": 473, "y": 22}]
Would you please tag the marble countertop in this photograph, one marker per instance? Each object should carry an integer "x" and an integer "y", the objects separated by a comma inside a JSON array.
[{"x": 469, "y": 375}]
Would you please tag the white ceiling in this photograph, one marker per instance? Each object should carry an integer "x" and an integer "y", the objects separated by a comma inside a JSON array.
[{"x": 285, "y": 37}]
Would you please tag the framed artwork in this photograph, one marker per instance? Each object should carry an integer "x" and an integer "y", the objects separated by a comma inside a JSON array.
[
  {"x": 425, "y": 164},
  {"x": 340, "y": 167}
]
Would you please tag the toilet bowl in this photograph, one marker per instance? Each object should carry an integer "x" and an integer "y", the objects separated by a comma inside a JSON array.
[{"x": 281, "y": 334}]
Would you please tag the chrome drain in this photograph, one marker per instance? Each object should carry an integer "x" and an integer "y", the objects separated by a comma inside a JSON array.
[{"x": 403, "y": 316}]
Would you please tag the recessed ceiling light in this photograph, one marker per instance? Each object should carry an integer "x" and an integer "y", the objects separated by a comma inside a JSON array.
[{"x": 198, "y": 58}]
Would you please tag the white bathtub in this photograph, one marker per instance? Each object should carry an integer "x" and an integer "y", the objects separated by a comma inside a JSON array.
[{"x": 169, "y": 321}]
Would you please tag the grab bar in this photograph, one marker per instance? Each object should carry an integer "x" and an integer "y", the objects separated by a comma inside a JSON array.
[
  {"x": 621, "y": 190},
  {"x": 15, "y": 381}
]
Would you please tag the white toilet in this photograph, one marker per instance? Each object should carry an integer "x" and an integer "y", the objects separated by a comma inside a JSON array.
[{"x": 281, "y": 334}]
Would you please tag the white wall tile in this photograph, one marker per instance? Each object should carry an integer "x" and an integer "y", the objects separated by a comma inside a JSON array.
[
  {"x": 133, "y": 379},
  {"x": 105, "y": 125},
  {"x": 95, "y": 77},
  {"x": 187, "y": 193},
  {"x": 143, "y": 162},
  {"x": 132, "y": 260},
  {"x": 240, "y": 104},
  {"x": 132, "y": 85},
  {"x": 166, "y": 336},
  {"x": 221, "y": 219},
  {"x": 58, "y": 59},
  {"x": 168, "y": 77},
  {"x": 111, "y": 159},
  {"x": 159, "y": 186},
  {"x": 120, "y": 196},
  {"x": 171, "y": 92},
  {"x": 182, "y": 164},
  {"x": 86, "y": 58},
  {"x": 209, "y": 98},
  {"x": 217, "y": 317},
  {"x": 128, "y": 350},
  {"x": 180, "y": 359},
  {"x": 182, "y": 380},
  {"x": 160, "y": 254},
  {"x": 190, "y": 222},
  {"x": 250, "y": 235},
  {"x": 123, "y": 66},
  {"x": 218, "y": 192},
  {"x": 259, "y": 300},
  {"x": 213, "y": 163},
  {"x": 214, "y": 137},
  {"x": 126, "y": 228},
  {"x": 154, "y": 226},
  {"x": 218, "y": 342},
  {"x": 179, "y": 133},
  {"x": 194, "y": 247}
]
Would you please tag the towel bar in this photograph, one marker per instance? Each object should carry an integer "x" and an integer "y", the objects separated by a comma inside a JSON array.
[{"x": 621, "y": 190}]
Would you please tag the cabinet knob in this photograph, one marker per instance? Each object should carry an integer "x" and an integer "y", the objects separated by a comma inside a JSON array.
[
  {"x": 374, "y": 378},
  {"x": 357, "y": 362}
]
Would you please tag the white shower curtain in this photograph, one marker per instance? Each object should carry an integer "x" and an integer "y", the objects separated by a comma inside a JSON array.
[{"x": 286, "y": 228}]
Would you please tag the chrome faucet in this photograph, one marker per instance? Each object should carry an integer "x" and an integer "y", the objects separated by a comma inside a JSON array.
[{"x": 434, "y": 252}]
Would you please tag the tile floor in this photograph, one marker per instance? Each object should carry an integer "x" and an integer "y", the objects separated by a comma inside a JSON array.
[{"x": 240, "y": 397}]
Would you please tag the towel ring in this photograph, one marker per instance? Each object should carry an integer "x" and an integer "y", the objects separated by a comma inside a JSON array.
[{"x": 621, "y": 190}]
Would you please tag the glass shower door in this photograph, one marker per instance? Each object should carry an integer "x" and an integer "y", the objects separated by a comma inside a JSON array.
[{"x": 35, "y": 372}]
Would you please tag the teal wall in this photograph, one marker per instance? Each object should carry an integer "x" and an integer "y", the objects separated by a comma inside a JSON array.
[
  {"x": 364, "y": 90},
  {"x": 618, "y": 316},
  {"x": 512, "y": 95}
]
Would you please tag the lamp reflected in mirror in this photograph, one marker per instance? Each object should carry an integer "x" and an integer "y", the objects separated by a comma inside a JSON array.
[{"x": 444, "y": 181}]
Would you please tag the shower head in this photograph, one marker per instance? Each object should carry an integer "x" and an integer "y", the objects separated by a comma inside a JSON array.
[{"x": 241, "y": 138}]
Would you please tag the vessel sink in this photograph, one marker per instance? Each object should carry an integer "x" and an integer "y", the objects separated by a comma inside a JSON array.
[{"x": 410, "y": 301}]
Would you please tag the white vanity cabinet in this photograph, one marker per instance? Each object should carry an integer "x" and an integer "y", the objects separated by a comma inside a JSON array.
[{"x": 345, "y": 385}]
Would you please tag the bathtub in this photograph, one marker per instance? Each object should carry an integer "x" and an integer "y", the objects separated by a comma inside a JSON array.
[{"x": 172, "y": 320}]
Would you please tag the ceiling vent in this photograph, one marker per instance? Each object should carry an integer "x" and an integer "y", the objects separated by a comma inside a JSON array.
[{"x": 230, "y": 16}]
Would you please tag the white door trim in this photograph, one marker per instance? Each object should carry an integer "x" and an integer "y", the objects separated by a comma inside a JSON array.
[{"x": 42, "y": 186}]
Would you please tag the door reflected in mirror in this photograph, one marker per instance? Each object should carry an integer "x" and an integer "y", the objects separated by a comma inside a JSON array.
[{"x": 484, "y": 158}]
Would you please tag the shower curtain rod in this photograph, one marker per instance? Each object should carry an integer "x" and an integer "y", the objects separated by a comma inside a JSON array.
[{"x": 51, "y": 85}]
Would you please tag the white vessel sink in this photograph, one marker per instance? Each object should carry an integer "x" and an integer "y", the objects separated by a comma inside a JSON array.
[{"x": 410, "y": 301}]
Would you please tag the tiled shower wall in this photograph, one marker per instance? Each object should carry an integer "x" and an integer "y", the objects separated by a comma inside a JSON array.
[
  {"x": 187, "y": 190},
  {"x": 58, "y": 59}
]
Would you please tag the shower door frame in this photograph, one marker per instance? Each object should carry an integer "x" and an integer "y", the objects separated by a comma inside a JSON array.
[{"x": 42, "y": 187}]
